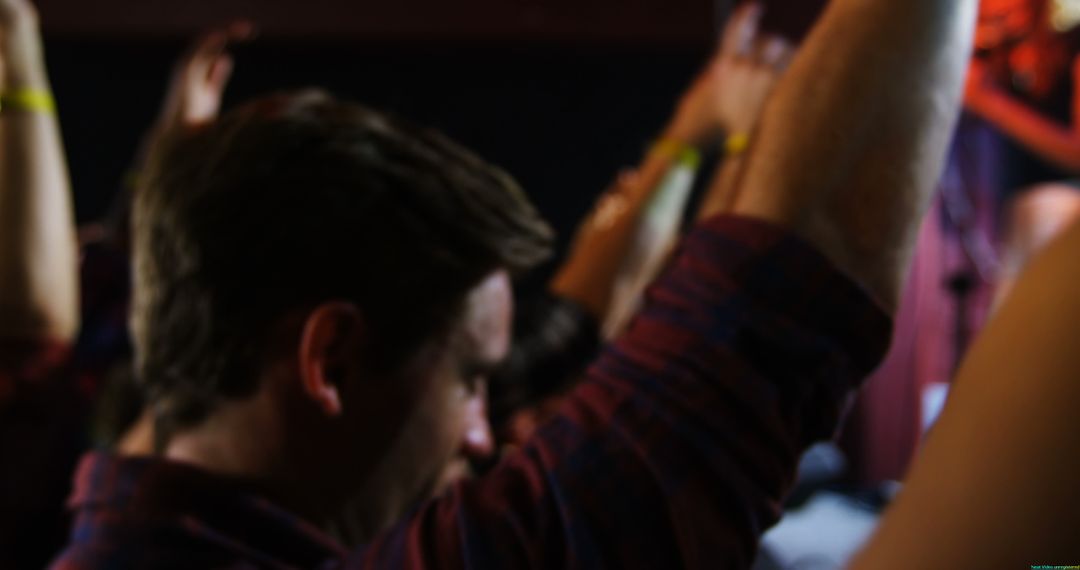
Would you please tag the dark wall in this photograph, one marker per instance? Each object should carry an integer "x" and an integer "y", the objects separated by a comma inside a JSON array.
[
  {"x": 560, "y": 119},
  {"x": 682, "y": 22},
  {"x": 562, "y": 93}
]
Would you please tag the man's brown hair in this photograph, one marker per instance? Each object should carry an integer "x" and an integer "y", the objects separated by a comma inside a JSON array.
[{"x": 298, "y": 199}]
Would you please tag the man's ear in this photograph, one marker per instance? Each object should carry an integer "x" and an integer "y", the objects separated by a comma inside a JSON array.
[{"x": 332, "y": 336}]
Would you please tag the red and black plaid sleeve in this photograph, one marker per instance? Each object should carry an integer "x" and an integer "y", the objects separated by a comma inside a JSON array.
[{"x": 681, "y": 443}]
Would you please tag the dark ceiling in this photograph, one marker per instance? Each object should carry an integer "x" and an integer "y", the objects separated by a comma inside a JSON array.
[{"x": 670, "y": 22}]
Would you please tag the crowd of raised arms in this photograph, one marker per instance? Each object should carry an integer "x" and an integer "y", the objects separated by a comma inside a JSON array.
[{"x": 366, "y": 390}]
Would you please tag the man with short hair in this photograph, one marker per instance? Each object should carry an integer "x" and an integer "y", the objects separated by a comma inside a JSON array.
[
  {"x": 302, "y": 237},
  {"x": 320, "y": 291}
]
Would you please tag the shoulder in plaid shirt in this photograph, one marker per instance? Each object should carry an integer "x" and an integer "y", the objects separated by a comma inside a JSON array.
[{"x": 675, "y": 451}]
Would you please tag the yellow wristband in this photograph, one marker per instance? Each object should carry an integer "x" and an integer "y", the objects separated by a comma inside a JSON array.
[
  {"x": 31, "y": 100},
  {"x": 736, "y": 144},
  {"x": 683, "y": 154}
]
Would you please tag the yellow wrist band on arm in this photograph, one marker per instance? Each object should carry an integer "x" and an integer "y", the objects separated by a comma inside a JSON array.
[
  {"x": 736, "y": 144},
  {"x": 682, "y": 153},
  {"x": 29, "y": 100}
]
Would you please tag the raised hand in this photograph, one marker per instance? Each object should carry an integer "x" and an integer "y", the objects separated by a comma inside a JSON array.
[
  {"x": 200, "y": 77},
  {"x": 728, "y": 95},
  {"x": 747, "y": 68}
]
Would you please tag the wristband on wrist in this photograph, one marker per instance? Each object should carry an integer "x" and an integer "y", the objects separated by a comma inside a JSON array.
[
  {"x": 28, "y": 100},
  {"x": 682, "y": 153},
  {"x": 736, "y": 144}
]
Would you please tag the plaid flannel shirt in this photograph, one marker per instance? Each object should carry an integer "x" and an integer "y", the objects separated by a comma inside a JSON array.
[{"x": 675, "y": 450}]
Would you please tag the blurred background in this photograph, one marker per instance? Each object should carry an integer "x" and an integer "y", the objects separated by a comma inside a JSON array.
[{"x": 561, "y": 93}]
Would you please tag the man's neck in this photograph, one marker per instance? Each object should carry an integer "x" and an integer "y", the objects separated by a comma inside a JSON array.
[{"x": 231, "y": 442}]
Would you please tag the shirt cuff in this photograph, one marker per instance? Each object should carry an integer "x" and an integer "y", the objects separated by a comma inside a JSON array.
[{"x": 776, "y": 269}]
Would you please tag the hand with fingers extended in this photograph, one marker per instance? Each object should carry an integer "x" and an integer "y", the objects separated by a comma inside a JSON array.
[
  {"x": 22, "y": 61},
  {"x": 199, "y": 79},
  {"x": 728, "y": 95}
]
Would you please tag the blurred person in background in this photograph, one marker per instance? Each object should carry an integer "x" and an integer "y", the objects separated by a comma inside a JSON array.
[
  {"x": 623, "y": 243},
  {"x": 42, "y": 409},
  {"x": 1024, "y": 83},
  {"x": 65, "y": 364},
  {"x": 994, "y": 486}
]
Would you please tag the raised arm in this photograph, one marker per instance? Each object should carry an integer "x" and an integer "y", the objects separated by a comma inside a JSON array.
[
  {"x": 750, "y": 66},
  {"x": 995, "y": 485},
  {"x": 624, "y": 241},
  {"x": 736, "y": 84},
  {"x": 1053, "y": 142},
  {"x": 39, "y": 291},
  {"x": 197, "y": 85},
  {"x": 853, "y": 141}
]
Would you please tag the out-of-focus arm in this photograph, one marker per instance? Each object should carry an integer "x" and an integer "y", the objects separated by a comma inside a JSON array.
[
  {"x": 853, "y": 141},
  {"x": 1033, "y": 220},
  {"x": 38, "y": 249},
  {"x": 995, "y": 485},
  {"x": 623, "y": 243}
]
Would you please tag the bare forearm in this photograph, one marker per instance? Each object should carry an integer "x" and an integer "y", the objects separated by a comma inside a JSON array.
[
  {"x": 853, "y": 141},
  {"x": 604, "y": 239},
  {"x": 1051, "y": 141},
  {"x": 726, "y": 97},
  {"x": 723, "y": 188},
  {"x": 995, "y": 485},
  {"x": 652, "y": 240},
  {"x": 38, "y": 251}
]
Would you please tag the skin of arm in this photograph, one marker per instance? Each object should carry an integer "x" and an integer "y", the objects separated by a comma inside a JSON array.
[
  {"x": 721, "y": 194},
  {"x": 1057, "y": 144},
  {"x": 650, "y": 243},
  {"x": 753, "y": 69},
  {"x": 995, "y": 485},
  {"x": 603, "y": 239},
  {"x": 623, "y": 243},
  {"x": 39, "y": 290},
  {"x": 1034, "y": 219},
  {"x": 853, "y": 141}
]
